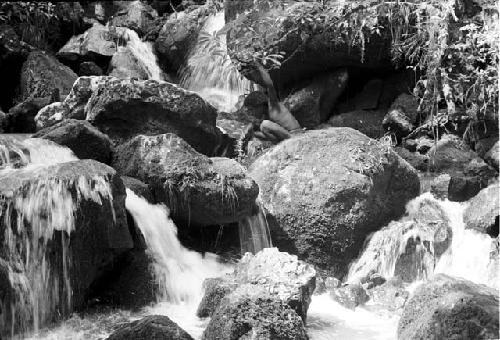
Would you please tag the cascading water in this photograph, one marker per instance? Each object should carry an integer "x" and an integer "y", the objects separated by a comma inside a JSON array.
[
  {"x": 209, "y": 70},
  {"x": 35, "y": 218},
  {"x": 254, "y": 233}
]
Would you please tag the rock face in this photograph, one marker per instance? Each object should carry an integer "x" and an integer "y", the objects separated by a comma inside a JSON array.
[
  {"x": 468, "y": 173},
  {"x": 124, "y": 108},
  {"x": 179, "y": 34},
  {"x": 198, "y": 189},
  {"x": 307, "y": 52},
  {"x": 135, "y": 15},
  {"x": 483, "y": 211},
  {"x": 326, "y": 190},
  {"x": 314, "y": 103},
  {"x": 275, "y": 274},
  {"x": 153, "y": 327},
  {"x": 449, "y": 308},
  {"x": 267, "y": 297},
  {"x": 81, "y": 137},
  {"x": 79, "y": 207},
  {"x": 42, "y": 74}
]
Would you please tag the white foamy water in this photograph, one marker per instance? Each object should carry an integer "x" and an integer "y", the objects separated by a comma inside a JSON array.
[{"x": 209, "y": 70}]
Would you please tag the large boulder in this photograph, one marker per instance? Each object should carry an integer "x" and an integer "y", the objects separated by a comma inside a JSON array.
[
  {"x": 279, "y": 275},
  {"x": 483, "y": 211},
  {"x": 81, "y": 137},
  {"x": 326, "y": 190},
  {"x": 309, "y": 46},
  {"x": 415, "y": 243},
  {"x": 22, "y": 117},
  {"x": 198, "y": 189},
  {"x": 67, "y": 224},
  {"x": 450, "y": 308},
  {"x": 136, "y": 15},
  {"x": 468, "y": 173},
  {"x": 179, "y": 34},
  {"x": 313, "y": 104},
  {"x": 153, "y": 327},
  {"x": 124, "y": 108},
  {"x": 247, "y": 313},
  {"x": 42, "y": 75}
]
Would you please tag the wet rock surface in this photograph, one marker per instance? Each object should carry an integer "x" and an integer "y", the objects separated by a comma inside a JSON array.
[
  {"x": 483, "y": 211},
  {"x": 153, "y": 327}
]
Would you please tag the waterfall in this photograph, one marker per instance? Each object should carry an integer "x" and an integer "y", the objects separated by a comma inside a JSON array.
[
  {"x": 179, "y": 272},
  {"x": 143, "y": 51},
  {"x": 254, "y": 233},
  {"x": 209, "y": 70},
  {"x": 36, "y": 218}
]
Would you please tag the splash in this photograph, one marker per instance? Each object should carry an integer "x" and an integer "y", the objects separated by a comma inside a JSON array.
[
  {"x": 209, "y": 70},
  {"x": 254, "y": 233}
]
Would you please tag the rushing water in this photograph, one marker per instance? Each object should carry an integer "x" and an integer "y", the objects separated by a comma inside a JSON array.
[
  {"x": 254, "y": 233},
  {"x": 209, "y": 70}
]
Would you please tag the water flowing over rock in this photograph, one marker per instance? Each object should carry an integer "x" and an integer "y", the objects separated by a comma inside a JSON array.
[
  {"x": 326, "y": 190},
  {"x": 150, "y": 328},
  {"x": 198, "y": 189},
  {"x": 409, "y": 248},
  {"x": 274, "y": 274},
  {"x": 54, "y": 251},
  {"x": 450, "y": 308},
  {"x": 482, "y": 214},
  {"x": 124, "y": 108},
  {"x": 81, "y": 137}
]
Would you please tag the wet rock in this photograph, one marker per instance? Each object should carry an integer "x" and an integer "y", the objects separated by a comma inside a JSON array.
[
  {"x": 306, "y": 55},
  {"x": 440, "y": 185},
  {"x": 314, "y": 103},
  {"x": 366, "y": 122},
  {"x": 89, "y": 68},
  {"x": 491, "y": 157},
  {"x": 417, "y": 160},
  {"x": 402, "y": 116},
  {"x": 179, "y": 34},
  {"x": 238, "y": 135},
  {"x": 450, "y": 308},
  {"x": 124, "y": 65},
  {"x": 323, "y": 204},
  {"x": 77, "y": 190},
  {"x": 268, "y": 274},
  {"x": 135, "y": 15},
  {"x": 81, "y": 137},
  {"x": 153, "y": 327},
  {"x": 42, "y": 74},
  {"x": 49, "y": 115},
  {"x": 483, "y": 211},
  {"x": 373, "y": 280},
  {"x": 198, "y": 189},
  {"x": 139, "y": 187},
  {"x": 22, "y": 117},
  {"x": 350, "y": 296},
  {"x": 248, "y": 314},
  {"x": 391, "y": 294}
]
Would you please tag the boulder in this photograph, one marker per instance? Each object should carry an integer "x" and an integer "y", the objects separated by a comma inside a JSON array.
[
  {"x": 392, "y": 295},
  {"x": 81, "y": 137},
  {"x": 350, "y": 296},
  {"x": 77, "y": 209},
  {"x": 42, "y": 75},
  {"x": 197, "y": 189},
  {"x": 367, "y": 122},
  {"x": 247, "y": 313},
  {"x": 179, "y": 34},
  {"x": 313, "y": 104},
  {"x": 414, "y": 244},
  {"x": 450, "y": 308},
  {"x": 491, "y": 157},
  {"x": 49, "y": 115},
  {"x": 310, "y": 46},
  {"x": 417, "y": 160},
  {"x": 402, "y": 116},
  {"x": 468, "y": 173},
  {"x": 136, "y": 15},
  {"x": 139, "y": 187},
  {"x": 124, "y": 108},
  {"x": 22, "y": 117},
  {"x": 325, "y": 191},
  {"x": 152, "y": 327},
  {"x": 89, "y": 68},
  {"x": 483, "y": 211},
  {"x": 274, "y": 274}
]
